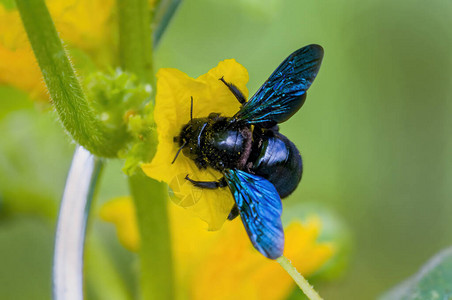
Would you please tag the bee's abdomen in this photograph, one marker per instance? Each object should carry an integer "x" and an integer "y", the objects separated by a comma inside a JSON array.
[{"x": 279, "y": 161}]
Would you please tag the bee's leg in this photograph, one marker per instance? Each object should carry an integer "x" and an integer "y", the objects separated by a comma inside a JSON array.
[
  {"x": 234, "y": 213},
  {"x": 235, "y": 90},
  {"x": 208, "y": 184}
]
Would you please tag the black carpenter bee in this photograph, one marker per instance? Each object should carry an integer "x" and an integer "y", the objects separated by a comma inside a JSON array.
[{"x": 259, "y": 164}]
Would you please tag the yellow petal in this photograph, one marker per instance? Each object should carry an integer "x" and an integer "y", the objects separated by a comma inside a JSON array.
[
  {"x": 224, "y": 264},
  {"x": 84, "y": 24},
  {"x": 172, "y": 112},
  {"x": 246, "y": 274},
  {"x": 121, "y": 212},
  {"x": 18, "y": 66},
  {"x": 306, "y": 254}
]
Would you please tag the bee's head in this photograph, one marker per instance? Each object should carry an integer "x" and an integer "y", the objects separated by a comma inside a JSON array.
[{"x": 189, "y": 139}]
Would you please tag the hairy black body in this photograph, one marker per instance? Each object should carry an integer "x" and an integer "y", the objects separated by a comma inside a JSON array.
[{"x": 223, "y": 143}]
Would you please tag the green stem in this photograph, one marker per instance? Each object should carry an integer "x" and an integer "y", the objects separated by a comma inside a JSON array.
[
  {"x": 64, "y": 88},
  {"x": 304, "y": 285},
  {"x": 150, "y": 196},
  {"x": 135, "y": 38},
  {"x": 155, "y": 251}
]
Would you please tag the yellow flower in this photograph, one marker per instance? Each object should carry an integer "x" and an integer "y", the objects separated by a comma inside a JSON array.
[
  {"x": 83, "y": 24},
  {"x": 224, "y": 264},
  {"x": 121, "y": 212},
  {"x": 172, "y": 112}
]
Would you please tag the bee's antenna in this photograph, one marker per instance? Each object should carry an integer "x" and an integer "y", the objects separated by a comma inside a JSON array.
[
  {"x": 178, "y": 151},
  {"x": 191, "y": 109}
]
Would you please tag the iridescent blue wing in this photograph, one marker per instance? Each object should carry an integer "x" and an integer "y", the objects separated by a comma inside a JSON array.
[
  {"x": 284, "y": 92},
  {"x": 260, "y": 208}
]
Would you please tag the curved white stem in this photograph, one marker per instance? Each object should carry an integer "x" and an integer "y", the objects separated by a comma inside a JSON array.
[{"x": 67, "y": 278}]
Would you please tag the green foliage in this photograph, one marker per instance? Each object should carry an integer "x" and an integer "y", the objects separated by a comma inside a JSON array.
[
  {"x": 433, "y": 281},
  {"x": 35, "y": 156},
  {"x": 26, "y": 251},
  {"x": 119, "y": 101},
  {"x": 115, "y": 96},
  {"x": 143, "y": 147},
  {"x": 8, "y": 4},
  {"x": 12, "y": 99},
  {"x": 374, "y": 125},
  {"x": 258, "y": 8}
]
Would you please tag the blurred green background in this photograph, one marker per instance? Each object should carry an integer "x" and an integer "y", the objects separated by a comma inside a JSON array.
[{"x": 375, "y": 132}]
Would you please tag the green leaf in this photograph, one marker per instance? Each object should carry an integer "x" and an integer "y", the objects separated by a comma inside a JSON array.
[{"x": 433, "y": 281}]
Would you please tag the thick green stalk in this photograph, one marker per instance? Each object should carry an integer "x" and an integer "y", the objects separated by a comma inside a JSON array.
[
  {"x": 150, "y": 196},
  {"x": 61, "y": 80},
  {"x": 155, "y": 252},
  {"x": 135, "y": 38}
]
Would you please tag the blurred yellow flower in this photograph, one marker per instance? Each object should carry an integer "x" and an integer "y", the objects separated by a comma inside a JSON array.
[
  {"x": 83, "y": 24},
  {"x": 224, "y": 264},
  {"x": 172, "y": 112}
]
